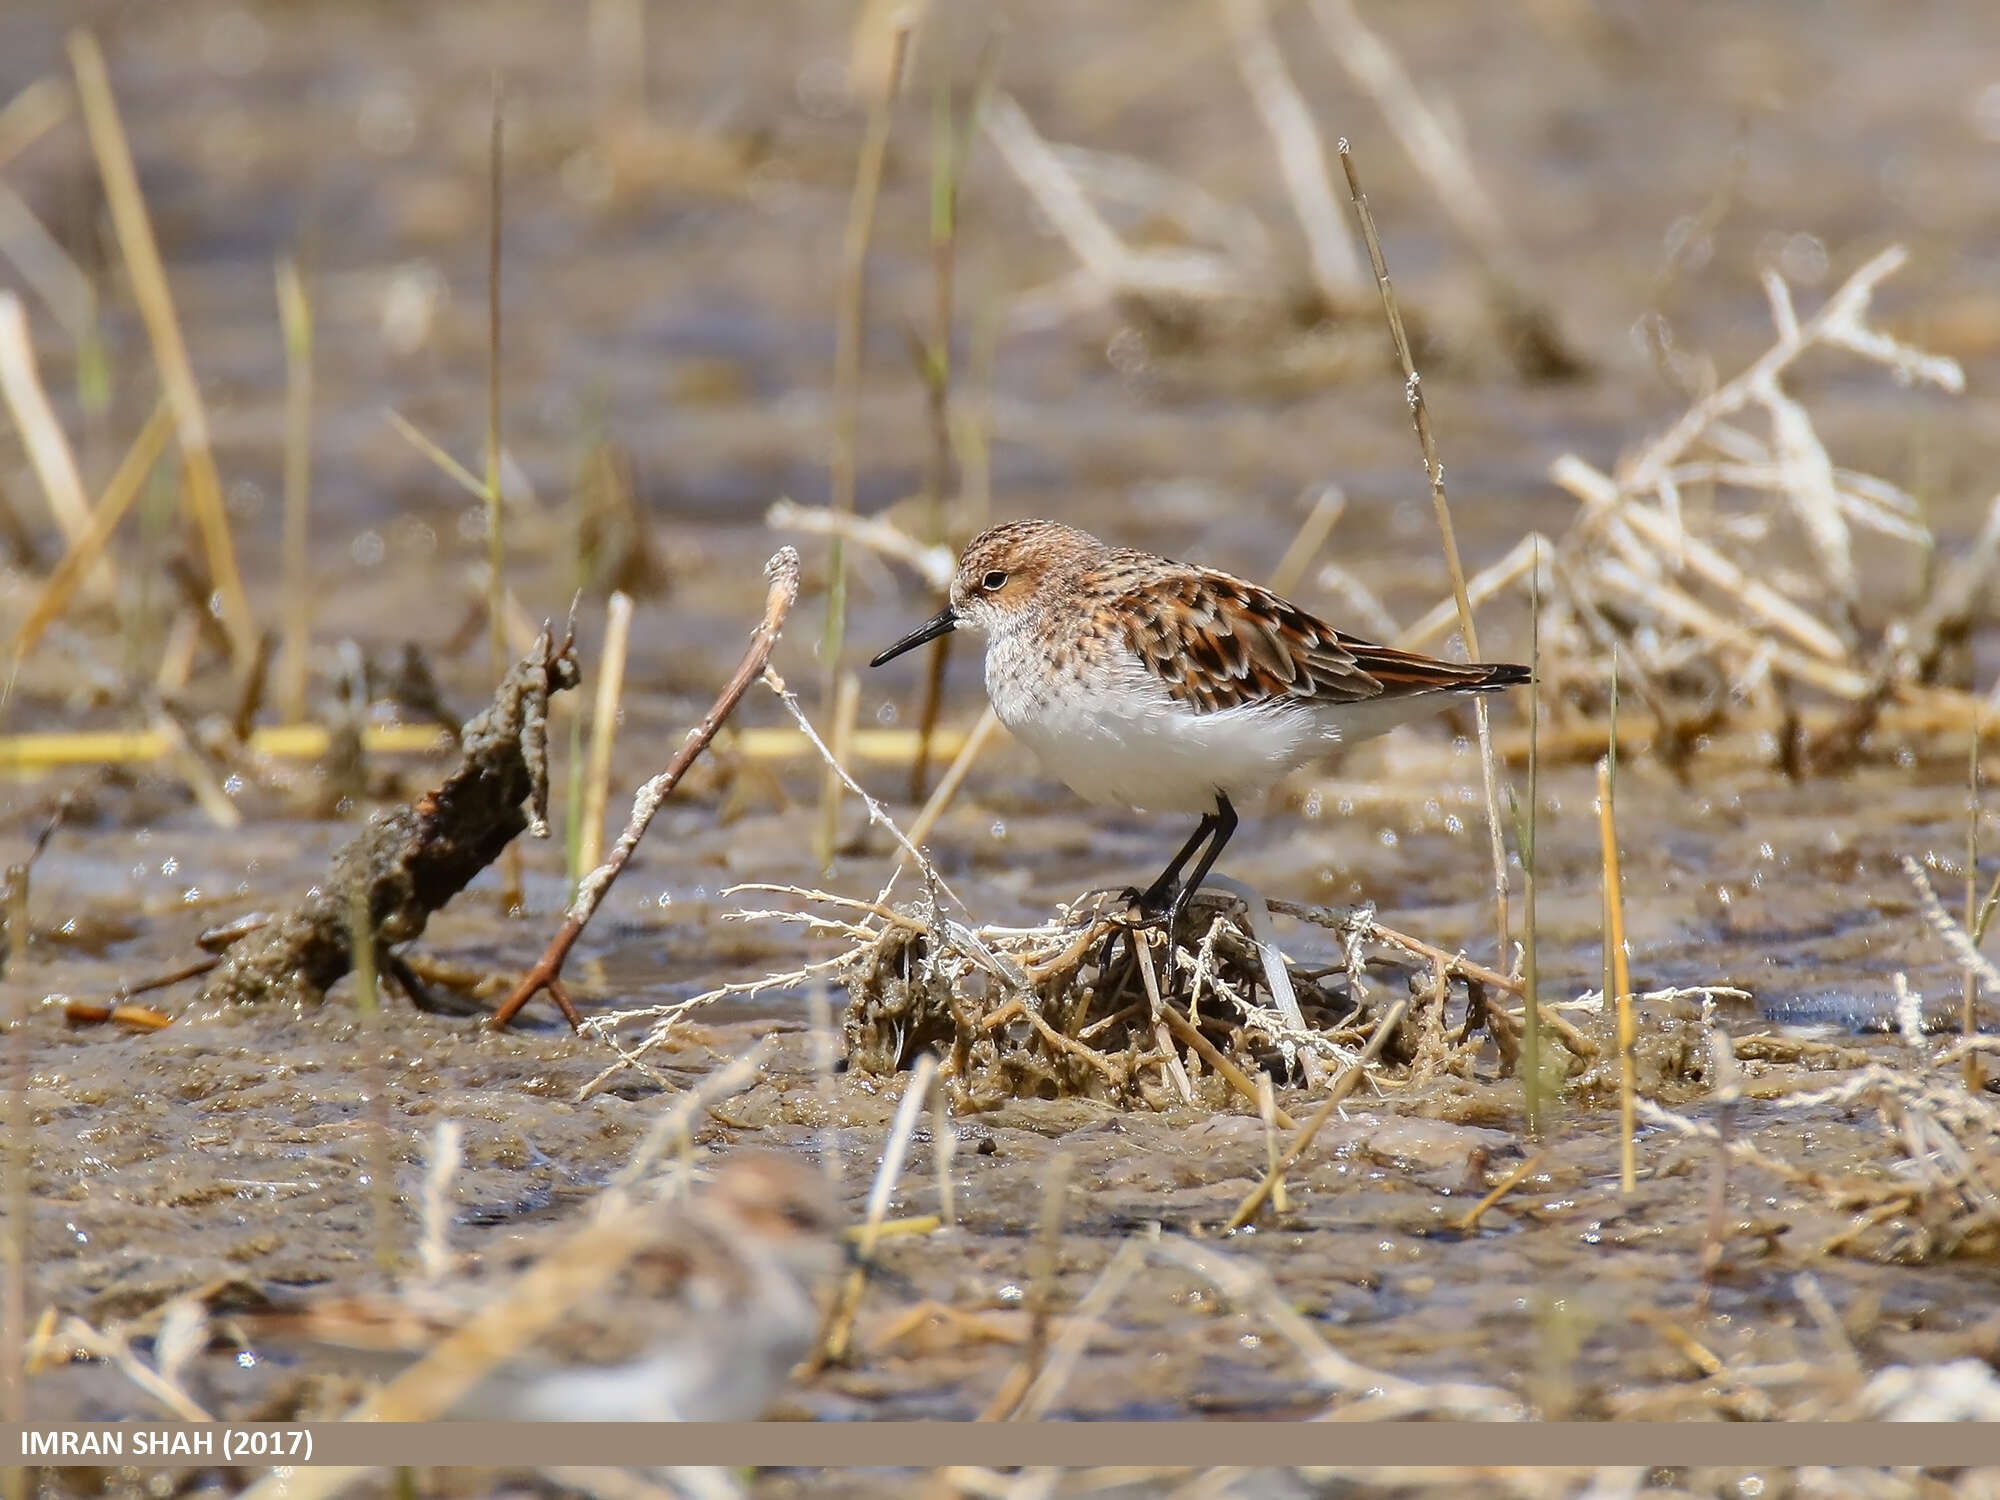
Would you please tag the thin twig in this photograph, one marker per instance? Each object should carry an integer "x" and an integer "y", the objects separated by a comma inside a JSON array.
[
  {"x": 604, "y": 730},
  {"x": 783, "y": 573},
  {"x": 1434, "y": 470},
  {"x": 156, "y": 308},
  {"x": 847, "y": 392}
]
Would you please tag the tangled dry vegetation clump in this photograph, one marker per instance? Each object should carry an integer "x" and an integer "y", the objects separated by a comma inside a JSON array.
[{"x": 1088, "y": 1005}]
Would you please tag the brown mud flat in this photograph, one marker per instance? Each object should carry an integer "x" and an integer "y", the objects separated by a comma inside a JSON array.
[{"x": 676, "y": 316}]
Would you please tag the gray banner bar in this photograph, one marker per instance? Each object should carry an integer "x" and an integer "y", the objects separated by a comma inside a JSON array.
[{"x": 931, "y": 1444}]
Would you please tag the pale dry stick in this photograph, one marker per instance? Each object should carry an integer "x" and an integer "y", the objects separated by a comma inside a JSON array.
[
  {"x": 134, "y": 230},
  {"x": 1413, "y": 392},
  {"x": 825, "y": 1053},
  {"x": 944, "y": 1145},
  {"x": 846, "y": 709},
  {"x": 782, "y": 572},
  {"x": 188, "y": 764},
  {"x": 447, "y": 1154},
  {"x": 1267, "y": 1111},
  {"x": 847, "y": 394},
  {"x": 48, "y": 269},
  {"x": 1975, "y": 1073},
  {"x": 934, "y": 565},
  {"x": 32, "y": 114},
  {"x": 616, "y": 34},
  {"x": 1080, "y": 1327},
  {"x": 48, "y": 447},
  {"x": 1601, "y": 492},
  {"x": 295, "y": 319},
  {"x": 1469, "y": 1220},
  {"x": 1838, "y": 322},
  {"x": 1176, "y": 1070},
  {"x": 1440, "y": 157},
  {"x": 1042, "y": 1269},
  {"x": 837, "y": 1343},
  {"x": 1189, "y": 1033},
  {"x": 1357, "y": 597},
  {"x": 1247, "y": 1284},
  {"x": 1327, "y": 509},
  {"x": 124, "y": 487},
  {"x": 1342, "y": 1086},
  {"x": 674, "y": 1126},
  {"x": 1955, "y": 937},
  {"x": 1106, "y": 258},
  {"x": 1614, "y": 943},
  {"x": 110, "y": 1346},
  {"x": 1301, "y": 154},
  {"x": 604, "y": 729},
  {"x": 879, "y": 815},
  {"x": 496, "y": 544},
  {"x": 941, "y": 797},
  {"x": 1488, "y": 583},
  {"x": 457, "y": 472},
  {"x": 1665, "y": 599}
]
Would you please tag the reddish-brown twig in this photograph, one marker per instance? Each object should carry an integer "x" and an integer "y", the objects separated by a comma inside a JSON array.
[{"x": 783, "y": 573}]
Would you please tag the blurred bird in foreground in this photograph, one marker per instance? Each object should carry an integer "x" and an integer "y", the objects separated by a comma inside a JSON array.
[{"x": 656, "y": 1311}]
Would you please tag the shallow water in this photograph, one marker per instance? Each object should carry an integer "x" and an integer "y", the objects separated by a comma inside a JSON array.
[{"x": 688, "y": 315}]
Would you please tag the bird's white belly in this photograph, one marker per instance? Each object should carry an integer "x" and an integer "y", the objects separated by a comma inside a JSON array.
[{"x": 1126, "y": 742}]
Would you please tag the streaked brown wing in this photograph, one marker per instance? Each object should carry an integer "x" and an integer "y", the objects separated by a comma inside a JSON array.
[{"x": 1217, "y": 642}]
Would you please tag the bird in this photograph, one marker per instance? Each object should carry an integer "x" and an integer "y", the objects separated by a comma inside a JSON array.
[
  {"x": 705, "y": 1307},
  {"x": 1165, "y": 686}
]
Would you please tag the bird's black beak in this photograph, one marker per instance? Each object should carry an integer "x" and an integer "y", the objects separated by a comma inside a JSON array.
[{"x": 939, "y": 624}]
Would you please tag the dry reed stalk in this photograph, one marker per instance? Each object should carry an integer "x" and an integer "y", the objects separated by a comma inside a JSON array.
[
  {"x": 203, "y": 488},
  {"x": 1043, "y": 1265},
  {"x": 375, "y": 1080},
  {"x": 1383, "y": 1395},
  {"x": 48, "y": 447},
  {"x": 1614, "y": 949},
  {"x": 1079, "y": 1327},
  {"x": 933, "y": 564},
  {"x": 973, "y": 746},
  {"x": 1267, "y": 1111},
  {"x": 836, "y": 1344},
  {"x": 56, "y": 278},
  {"x": 1227, "y": 1070},
  {"x": 604, "y": 730},
  {"x": 847, "y": 390},
  {"x": 1108, "y": 262},
  {"x": 1440, "y": 158},
  {"x": 944, "y": 1145},
  {"x": 1413, "y": 392},
  {"x": 446, "y": 1156},
  {"x": 295, "y": 320},
  {"x": 1327, "y": 509},
  {"x": 1342, "y": 1086},
  {"x": 194, "y": 772},
  {"x": 119, "y": 493},
  {"x": 16, "y": 1149},
  {"x": 32, "y": 114},
  {"x": 782, "y": 574},
  {"x": 1301, "y": 154},
  {"x": 1525, "y": 838},
  {"x": 1469, "y": 1220},
  {"x": 1975, "y": 1071},
  {"x": 457, "y": 472},
  {"x": 616, "y": 33},
  {"x": 846, "y": 709},
  {"x": 496, "y": 542}
]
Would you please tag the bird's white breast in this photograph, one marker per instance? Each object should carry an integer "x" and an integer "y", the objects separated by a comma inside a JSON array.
[{"x": 1113, "y": 734}]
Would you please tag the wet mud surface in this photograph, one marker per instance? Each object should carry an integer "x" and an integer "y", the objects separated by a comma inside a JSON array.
[{"x": 685, "y": 313}]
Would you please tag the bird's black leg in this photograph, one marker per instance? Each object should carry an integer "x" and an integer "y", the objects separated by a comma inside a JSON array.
[
  {"x": 1224, "y": 819},
  {"x": 1158, "y": 896}
]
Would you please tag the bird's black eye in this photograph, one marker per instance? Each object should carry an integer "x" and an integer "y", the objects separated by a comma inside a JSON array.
[{"x": 994, "y": 580}]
